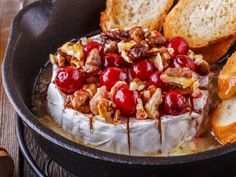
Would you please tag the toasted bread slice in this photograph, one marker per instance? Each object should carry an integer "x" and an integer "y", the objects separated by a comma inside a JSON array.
[
  {"x": 126, "y": 14},
  {"x": 214, "y": 52},
  {"x": 227, "y": 79},
  {"x": 224, "y": 121},
  {"x": 202, "y": 22}
]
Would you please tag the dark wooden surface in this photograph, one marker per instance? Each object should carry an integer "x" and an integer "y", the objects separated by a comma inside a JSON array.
[{"x": 8, "y": 9}]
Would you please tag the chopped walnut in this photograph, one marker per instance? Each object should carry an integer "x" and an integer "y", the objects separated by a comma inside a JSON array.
[
  {"x": 137, "y": 84},
  {"x": 195, "y": 88},
  {"x": 166, "y": 57},
  {"x": 182, "y": 77},
  {"x": 147, "y": 94},
  {"x": 110, "y": 47},
  {"x": 80, "y": 100},
  {"x": 155, "y": 51},
  {"x": 138, "y": 51},
  {"x": 71, "y": 51},
  {"x": 125, "y": 46},
  {"x": 152, "y": 106},
  {"x": 53, "y": 58},
  {"x": 137, "y": 34},
  {"x": 154, "y": 38},
  {"x": 126, "y": 57},
  {"x": 116, "y": 35},
  {"x": 75, "y": 62},
  {"x": 93, "y": 62},
  {"x": 58, "y": 60},
  {"x": 101, "y": 93},
  {"x": 140, "y": 112},
  {"x": 158, "y": 62},
  {"x": 105, "y": 110}
]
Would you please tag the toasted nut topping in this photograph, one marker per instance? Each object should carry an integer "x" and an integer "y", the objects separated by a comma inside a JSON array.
[
  {"x": 147, "y": 94},
  {"x": 101, "y": 93},
  {"x": 125, "y": 46},
  {"x": 157, "y": 62},
  {"x": 53, "y": 59},
  {"x": 140, "y": 112},
  {"x": 126, "y": 57},
  {"x": 71, "y": 50},
  {"x": 138, "y": 51},
  {"x": 80, "y": 101},
  {"x": 110, "y": 47},
  {"x": 181, "y": 77},
  {"x": 152, "y": 106},
  {"x": 137, "y": 84},
  {"x": 137, "y": 34},
  {"x": 93, "y": 62},
  {"x": 153, "y": 38},
  {"x": 116, "y": 35},
  {"x": 105, "y": 110},
  {"x": 155, "y": 51}
]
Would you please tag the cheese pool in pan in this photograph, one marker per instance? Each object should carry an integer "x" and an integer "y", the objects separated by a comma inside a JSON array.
[{"x": 129, "y": 92}]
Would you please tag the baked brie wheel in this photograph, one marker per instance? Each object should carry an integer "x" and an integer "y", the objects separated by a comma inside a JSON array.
[{"x": 129, "y": 91}]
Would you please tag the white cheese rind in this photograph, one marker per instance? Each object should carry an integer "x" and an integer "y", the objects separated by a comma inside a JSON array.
[{"x": 147, "y": 137}]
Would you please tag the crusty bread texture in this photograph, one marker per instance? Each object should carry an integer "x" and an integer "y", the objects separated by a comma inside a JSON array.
[
  {"x": 214, "y": 52},
  {"x": 129, "y": 13},
  {"x": 227, "y": 79},
  {"x": 202, "y": 22},
  {"x": 224, "y": 121}
]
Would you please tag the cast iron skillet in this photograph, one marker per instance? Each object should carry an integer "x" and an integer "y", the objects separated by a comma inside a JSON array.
[{"x": 37, "y": 31}]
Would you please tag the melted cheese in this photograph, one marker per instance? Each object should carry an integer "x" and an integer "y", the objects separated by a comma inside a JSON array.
[{"x": 144, "y": 137}]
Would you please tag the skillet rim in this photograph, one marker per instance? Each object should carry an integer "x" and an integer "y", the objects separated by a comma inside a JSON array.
[{"x": 48, "y": 134}]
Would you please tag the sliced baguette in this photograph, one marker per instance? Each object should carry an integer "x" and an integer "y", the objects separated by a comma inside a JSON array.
[
  {"x": 126, "y": 14},
  {"x": 227, "y": 79},
  {"x": 224, "y": 121},
  {"x": 202, "y": 22},
  {"x": 214, "y": 52}
]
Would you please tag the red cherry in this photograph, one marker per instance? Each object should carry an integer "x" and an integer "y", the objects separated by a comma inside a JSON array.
[
  {"x": 112, "y": 59},
  {"x": 92, "y": 45},
  {"x": 142, "y": 69},
  {"x": 183, "y": 61},
  {"x": 154, "y": 79},
  {"x": 126, "y": 100},
  {"x": 69, "y": 79},
  {"x": 179, "y": 44},
  {"x": 111, "y": 75},
  {"x": 174, "y": 103}
]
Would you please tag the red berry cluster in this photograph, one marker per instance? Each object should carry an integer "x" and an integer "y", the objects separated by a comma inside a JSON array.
[{"x": 114, "y": 68}]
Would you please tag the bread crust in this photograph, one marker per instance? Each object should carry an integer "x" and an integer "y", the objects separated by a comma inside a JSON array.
[
  {"x": 170, "y": 31},
  {"x": 224, "y": 133},
  {"x": 214, "y": 52},
  {"x": 108, "y": 16}
]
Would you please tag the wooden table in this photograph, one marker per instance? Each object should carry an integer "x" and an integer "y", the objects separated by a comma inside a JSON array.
[{"x": 8, "y": 9}]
